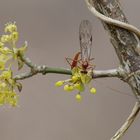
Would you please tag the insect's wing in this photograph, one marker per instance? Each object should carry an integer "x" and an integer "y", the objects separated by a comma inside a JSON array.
[{"x": 85, "y": 37}]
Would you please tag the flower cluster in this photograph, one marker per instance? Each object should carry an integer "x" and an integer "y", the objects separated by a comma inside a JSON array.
[
  {"x": 7, "y": 92},
  {"x": 78, "y": 82},
  {"x": 9, "y": 52}
]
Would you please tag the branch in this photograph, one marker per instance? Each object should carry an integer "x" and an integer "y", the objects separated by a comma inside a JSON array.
[
  {"x": 45, "y": 70},
  {"x": 107, "y": 73},
  {"x": 127, "y": 47},
  {"x": 111, "y": 21},
  {"x": 127, "y": 123},
  {"x": 27, "y": 61},
  {"x": 122, "y": 37}
]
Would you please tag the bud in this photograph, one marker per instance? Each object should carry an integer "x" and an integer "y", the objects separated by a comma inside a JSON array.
[
  {"x": 5, "y": 38},
  {"x": 10, "y": 27},
  {"x": 68, "y": 88},
  {"x": 74, "y": 78},
  {"x": 14, "y": 36},
  {"x": 93, "y": 90},
  {"x": 78, "y": 97},
  {"x": 79, "y": 86},
  {"x": 59, "y": 83}
]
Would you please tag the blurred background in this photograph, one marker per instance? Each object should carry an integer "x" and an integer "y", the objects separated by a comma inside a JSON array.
[{"x": 46, "y": 112}]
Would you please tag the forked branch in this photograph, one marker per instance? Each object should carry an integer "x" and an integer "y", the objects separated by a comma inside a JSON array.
[
  {"x": 125, "y": 39},
  {"x": 35, "y": 69},
  {"x": 127, "y": 123}
]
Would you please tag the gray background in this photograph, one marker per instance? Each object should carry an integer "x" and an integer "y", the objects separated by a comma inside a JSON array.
[{"x": 46, "y": 112}]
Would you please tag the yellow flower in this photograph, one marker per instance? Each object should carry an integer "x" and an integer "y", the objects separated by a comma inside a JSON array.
[
  {"x": 5, "y": 38},
  {"x": 85, "y": 78},
  {"x": 5, "y": 50},
  {"x": 78, "y": 82},
  {"x": 1, "y": 45},
  {"x": 78, "y": 97},
  {"x": 93, "y": 90},
  {"x": 2, "y": 65},
  {"x": 14, "y": 36},
  {"x": 68, "y": 88},
  {"x": 75, "y": 78},
  {"x": 10, "y": 27},
  {"x": 79, "y": 86},
  {"x": 3, "y": 85},
  {"x": 2, "y": 98},
  {"x": 59, "y": 83},
  {"x": 12, "y": 99},
  {"x": 6, "y": 75}
]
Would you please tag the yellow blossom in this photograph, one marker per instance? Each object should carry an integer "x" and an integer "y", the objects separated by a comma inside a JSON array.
[
  {"x": 14, "y": 36},
  {"x": 68, "y": 88},
  {"x": 78, "y": 97},
  {"x": 10, "y": 27},
  {"x": 74, "y": 78},
  {"x": 79, "y": 86},
  {"x": 93, "y": 90},
  {"x": 5, "y": 38},
  {"x": 2, "y": 65},
  {"x": 6, "y": 75},
  {"x": 59, "y": 83},
  {"x": 1, "y": 45}
]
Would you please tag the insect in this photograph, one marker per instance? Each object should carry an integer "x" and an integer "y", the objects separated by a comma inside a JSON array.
[
  {"x": 85, "y": 38},
  {"x": 82, "y": 59}
]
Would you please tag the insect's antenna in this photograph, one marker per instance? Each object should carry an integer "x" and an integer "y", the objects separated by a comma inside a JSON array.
[
  {"x": 85, "y": 37},
  {"x": 115, "y": 90}
]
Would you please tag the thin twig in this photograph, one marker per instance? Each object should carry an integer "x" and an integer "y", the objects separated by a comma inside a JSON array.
[
  {"x": 35, "y": 69},
  {"x": 111, "y": 21},
  {"x": 107, "y": 73},
  {"x": 127, "y": 123}
]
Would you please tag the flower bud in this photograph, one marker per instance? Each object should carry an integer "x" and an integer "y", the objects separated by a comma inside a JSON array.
[
  {"x": 79, "y": 86},
  {"x": 10, "y": 27},
  {"x": 68, "y": 88},
  {"x": 5, "y": 38},
  {"x": 93, "y": 90},
  {"x": 78, "y": 97},
  {"x": 14, "y": 36},
  {"x": 59, "y": 83},
  {"x": 74, "y": 78}
]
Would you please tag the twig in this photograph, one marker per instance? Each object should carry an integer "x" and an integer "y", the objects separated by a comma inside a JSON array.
[
  {"x": 125, "y": 60},
  {"x": 27, "y": 61},
  {"x": 127, "y": 123},
  {"x": 45, "y": 70},
  {"x": 111, "y": 21}
]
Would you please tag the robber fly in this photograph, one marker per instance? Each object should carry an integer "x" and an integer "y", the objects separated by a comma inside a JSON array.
[
  {"x": 85, "y": 38},
  {"x": 82, "y": 59}
]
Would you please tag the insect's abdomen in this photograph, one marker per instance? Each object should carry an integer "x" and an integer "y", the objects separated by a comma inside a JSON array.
[{"x": 75, "y": 60}]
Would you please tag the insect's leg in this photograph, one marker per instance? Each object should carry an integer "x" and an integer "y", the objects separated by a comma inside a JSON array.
[
  {"x": 91, "y": 59},
  {"x": 68, "y": 60},
  {"x": 91, "y": 66},
  {"x": 79, "y": 61}
]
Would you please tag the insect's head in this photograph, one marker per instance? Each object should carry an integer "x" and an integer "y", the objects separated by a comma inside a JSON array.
[{"x": 85, "y": 65}]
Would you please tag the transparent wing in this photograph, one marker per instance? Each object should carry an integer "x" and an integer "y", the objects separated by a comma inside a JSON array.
[{"x": 85, "y": 38}]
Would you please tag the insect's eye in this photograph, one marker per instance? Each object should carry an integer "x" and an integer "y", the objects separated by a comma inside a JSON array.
[{"x": 91, "y": 39}]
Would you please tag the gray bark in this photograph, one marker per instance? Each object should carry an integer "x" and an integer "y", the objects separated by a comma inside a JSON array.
[{"x": 126, "y": 44}]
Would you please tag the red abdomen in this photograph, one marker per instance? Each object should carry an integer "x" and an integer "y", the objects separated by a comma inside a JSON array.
[{"x": 75, "y": 60}]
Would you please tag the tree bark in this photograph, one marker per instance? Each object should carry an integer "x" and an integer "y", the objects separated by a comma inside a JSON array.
[
  {"x": 125, "y": 39},
  {"x": 126, "y": 43}
]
